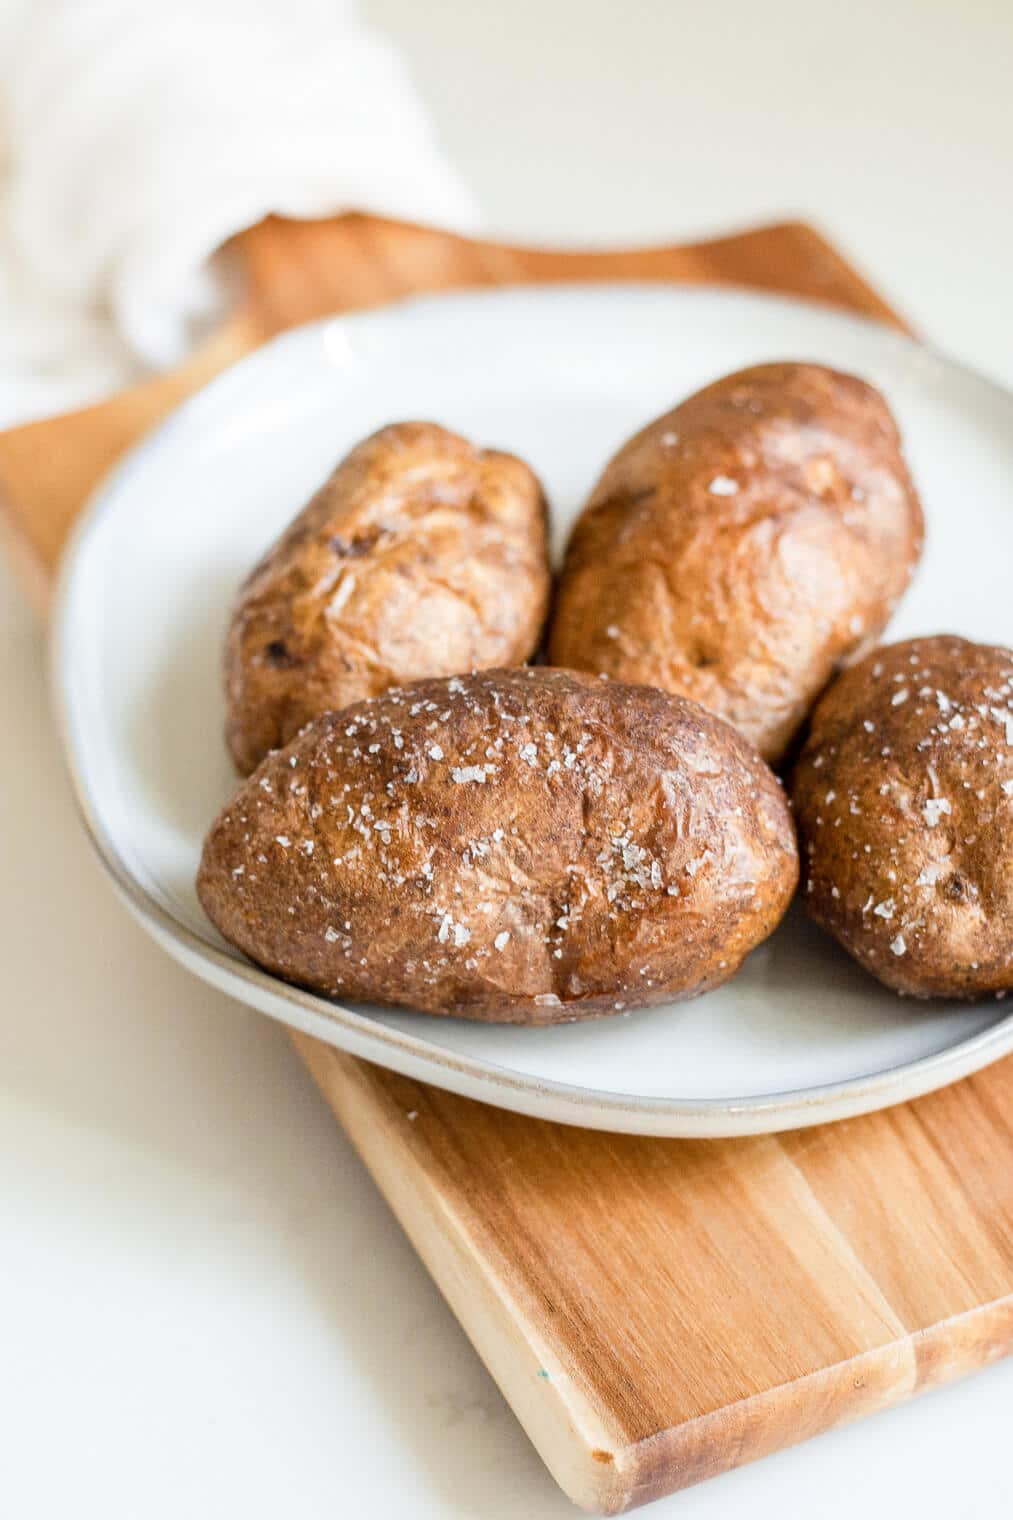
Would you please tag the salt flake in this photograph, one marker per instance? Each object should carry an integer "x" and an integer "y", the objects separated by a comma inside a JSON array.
[
  {"x": 462, "y": 773},
  {"x": 723, "y": 485}
]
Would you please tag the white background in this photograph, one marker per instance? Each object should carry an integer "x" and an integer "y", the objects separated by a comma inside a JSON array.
[{"x": 207, "y": 1309}]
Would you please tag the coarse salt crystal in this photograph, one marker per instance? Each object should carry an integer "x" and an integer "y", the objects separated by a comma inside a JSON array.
[
  {"x": 462, "y": 773},
  {"x": 934, "y": 808},
  {"x": 723, "y": 485},
  {"x": 899, "y": 945},
  {"x": 435, "y": 752},
  {"x": 502, "y": 940},
  {"x": 899, "y": 697}
]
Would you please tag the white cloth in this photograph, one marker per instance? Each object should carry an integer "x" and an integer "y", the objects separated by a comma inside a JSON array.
[{"x": 139, "y": 135}]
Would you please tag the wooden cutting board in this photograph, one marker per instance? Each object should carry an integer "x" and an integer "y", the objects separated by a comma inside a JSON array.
[{"x": 655, "y": 1311}]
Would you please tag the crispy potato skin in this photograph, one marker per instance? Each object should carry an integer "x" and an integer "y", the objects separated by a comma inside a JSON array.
[
  {"x": 421, "y": 555},
  {"x": 743, "y": 546},
  {"x": 903, "y": 796},
  {"x": 525, "y": 846}
]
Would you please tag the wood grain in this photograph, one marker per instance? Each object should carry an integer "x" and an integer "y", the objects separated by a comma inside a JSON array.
[
  {"x": 658, "y": 1311},
  {"x": 655, "y": 1311}
]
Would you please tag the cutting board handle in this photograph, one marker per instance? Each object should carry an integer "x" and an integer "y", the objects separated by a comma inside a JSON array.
[{"x": 290, "y": 272}]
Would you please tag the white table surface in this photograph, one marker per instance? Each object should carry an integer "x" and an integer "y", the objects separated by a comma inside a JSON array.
[{"x": 207, "y": 1309}]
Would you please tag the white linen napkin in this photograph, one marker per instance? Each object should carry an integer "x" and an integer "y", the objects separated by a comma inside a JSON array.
[{"x": 138, "y": 136}]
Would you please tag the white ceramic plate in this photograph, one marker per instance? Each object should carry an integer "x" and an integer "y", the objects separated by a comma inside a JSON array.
[{"x": 560, "y": 375}]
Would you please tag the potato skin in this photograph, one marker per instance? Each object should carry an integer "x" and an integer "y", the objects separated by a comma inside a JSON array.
[
  {"x": 743, "y": 546},
  {"x": 624, "y": 847},
  {"x": 421, "y": 555},
  {"x": 903, "y": 796}
]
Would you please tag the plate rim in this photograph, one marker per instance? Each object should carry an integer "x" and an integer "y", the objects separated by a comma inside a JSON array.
[{"x": 412, "y": 1055}]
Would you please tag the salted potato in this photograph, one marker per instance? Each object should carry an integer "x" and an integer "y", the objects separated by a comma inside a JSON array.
[
  {"x": 421, "y": 555},
  {"x": 904, "y": 801},
  {"x": 744, "y": 546},
  {"x": 527, "y": 846}
]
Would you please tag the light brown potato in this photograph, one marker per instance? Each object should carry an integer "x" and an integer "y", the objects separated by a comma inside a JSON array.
[
  {"x": 525, "y": 846},
  {"x": 744, "y": 546},
  {"x": 421, "y": 555},
  {"x": 904, "y": 800}
]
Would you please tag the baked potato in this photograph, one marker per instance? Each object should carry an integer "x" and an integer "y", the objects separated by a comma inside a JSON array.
[
  {"x": 903, "y": 796},
  {"x": 743, "y": 547},
  {"x": 421, "y": 555},
  {"x": 527, "y": 846}
]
